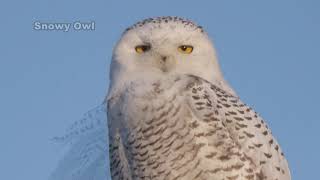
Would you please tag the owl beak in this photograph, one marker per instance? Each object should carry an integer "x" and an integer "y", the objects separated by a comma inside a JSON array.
[
  {"x": 164, "y": 59},
  {"x": 166, "y": 62}
]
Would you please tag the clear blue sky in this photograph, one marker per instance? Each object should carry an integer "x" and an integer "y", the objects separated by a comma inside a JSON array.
[{"x": 269, "y": 52}]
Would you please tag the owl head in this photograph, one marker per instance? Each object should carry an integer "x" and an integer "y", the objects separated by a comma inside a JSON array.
[{"x": 163, "y": 47}]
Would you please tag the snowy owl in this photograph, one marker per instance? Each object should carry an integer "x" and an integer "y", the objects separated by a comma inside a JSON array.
[{"x": 171, "y": 116}]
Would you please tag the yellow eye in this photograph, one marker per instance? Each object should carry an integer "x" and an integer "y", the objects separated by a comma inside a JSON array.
[
  {"x": 186, "y": 49},
  {"x": 142, "y": 48}
]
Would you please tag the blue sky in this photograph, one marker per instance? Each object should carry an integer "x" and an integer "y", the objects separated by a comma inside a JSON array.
[{"x": 269, "y": 52}]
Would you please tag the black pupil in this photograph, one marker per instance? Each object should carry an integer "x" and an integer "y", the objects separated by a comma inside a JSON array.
[
  {"x": 184, "y": 48},
  {"x": 144, "y": 48}
]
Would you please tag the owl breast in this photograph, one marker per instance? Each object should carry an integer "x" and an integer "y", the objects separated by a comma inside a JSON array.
[{"x": 166, "y": 132}]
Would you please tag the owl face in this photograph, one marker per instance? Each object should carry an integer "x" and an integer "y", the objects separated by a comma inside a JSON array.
[{"x": 164, "y": 46}]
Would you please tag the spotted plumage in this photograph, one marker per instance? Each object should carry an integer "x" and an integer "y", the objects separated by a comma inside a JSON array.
[
  {"x": 158, "y": 21},
  {"x": 196, "y": 131}
]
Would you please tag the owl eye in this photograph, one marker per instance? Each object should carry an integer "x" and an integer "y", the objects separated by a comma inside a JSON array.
[
  {"x": 142, "y": 48},
  {"x": 186, "y": 49}
]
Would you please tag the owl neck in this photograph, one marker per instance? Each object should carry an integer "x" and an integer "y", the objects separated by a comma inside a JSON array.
[{"x": 121, "y": 81}]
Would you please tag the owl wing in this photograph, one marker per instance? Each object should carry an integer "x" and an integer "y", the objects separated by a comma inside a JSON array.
[
  {"x": 231, "y": 139},
  {"x": 244, "y": 126},
  {"x": 87, "y": 155}
]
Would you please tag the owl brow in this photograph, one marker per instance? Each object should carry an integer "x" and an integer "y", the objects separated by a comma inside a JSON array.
[
  {"x": 164, "y": 38},
  {"x": 188, "y": 38},
  {"x": 143, "y": 34}
]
